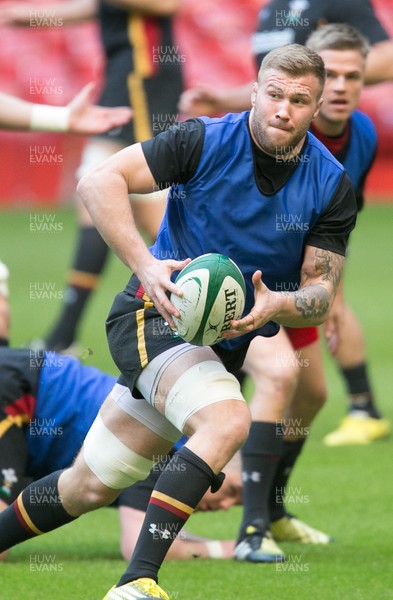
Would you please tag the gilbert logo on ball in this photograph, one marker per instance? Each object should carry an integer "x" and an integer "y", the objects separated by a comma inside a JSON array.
[{"x": 214, "y": 294}]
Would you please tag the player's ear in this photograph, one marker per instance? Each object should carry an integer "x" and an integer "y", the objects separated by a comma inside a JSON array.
[
  {"x": 254, "y": 93},
  {"x": 318, "y": 108}
]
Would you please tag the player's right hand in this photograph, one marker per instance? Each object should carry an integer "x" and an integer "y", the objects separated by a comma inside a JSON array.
[{"x": 155, "y": 278}]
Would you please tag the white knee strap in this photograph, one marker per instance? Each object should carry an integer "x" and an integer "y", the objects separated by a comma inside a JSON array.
[
  {"x": 201, "y": 385},
  {"x": 115, "y": 465}
]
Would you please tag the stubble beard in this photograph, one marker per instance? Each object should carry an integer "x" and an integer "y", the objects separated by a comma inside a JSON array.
[{"x": 291, "y": 148}]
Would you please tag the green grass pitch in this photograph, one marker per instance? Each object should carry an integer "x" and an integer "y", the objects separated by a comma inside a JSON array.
[{"x": 346, "y": 492}]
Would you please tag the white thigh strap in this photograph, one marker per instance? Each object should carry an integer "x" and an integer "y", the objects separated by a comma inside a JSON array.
[
  {"x": 115, "y": 465},
  {"x": 203, "y": 384},
  {"x": 141, "y": 410},
  {"x": 149, "y": 379}
]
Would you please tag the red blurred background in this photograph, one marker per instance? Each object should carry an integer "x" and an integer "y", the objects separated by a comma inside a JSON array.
[{"x": 50, "y": 65}]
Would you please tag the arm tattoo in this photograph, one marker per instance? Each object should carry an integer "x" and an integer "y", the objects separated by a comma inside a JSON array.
[
  {"x": 314, "y": 301},
  {"x": 329, "y": 265}
]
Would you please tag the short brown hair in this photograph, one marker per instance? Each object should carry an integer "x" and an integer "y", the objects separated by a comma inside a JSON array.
[
  {"x": 338, "y": 36},
  {"x": 295, "y": 60}
]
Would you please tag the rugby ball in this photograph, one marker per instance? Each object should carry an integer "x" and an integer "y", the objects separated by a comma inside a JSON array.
[{"x": 214, "y": 294}]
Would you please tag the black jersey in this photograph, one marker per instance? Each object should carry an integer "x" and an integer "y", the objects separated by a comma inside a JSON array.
[
  {"x": 143, "y": 70},
  {"x": 283, "y": 22},
  {"x": 19, "y": 375}
]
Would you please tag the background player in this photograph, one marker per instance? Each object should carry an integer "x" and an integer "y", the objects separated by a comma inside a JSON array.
[
  {"x": 281, "y": 22},
  {"x": 143, "y": 69},
  {"x": 47, "y": 404},
  {"x": 287, "y": 22},
  {"x": 79, "y": 116}
]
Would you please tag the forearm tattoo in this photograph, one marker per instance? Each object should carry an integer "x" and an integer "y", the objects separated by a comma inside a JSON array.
[{"x": 314, "y": 300}]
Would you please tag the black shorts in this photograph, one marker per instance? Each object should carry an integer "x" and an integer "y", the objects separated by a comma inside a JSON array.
[{"x": 137, "y": 333}]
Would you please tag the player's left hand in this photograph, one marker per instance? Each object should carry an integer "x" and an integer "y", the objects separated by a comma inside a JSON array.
[
  {"x": 87, "y": 119},
  {"x": 260, "y": 313}
]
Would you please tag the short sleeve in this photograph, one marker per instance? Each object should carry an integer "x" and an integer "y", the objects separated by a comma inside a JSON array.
[
  {"x": 17, "y": 378},
  {"x": 335, "y": 224},
  {"x": 173, "y": 155}
]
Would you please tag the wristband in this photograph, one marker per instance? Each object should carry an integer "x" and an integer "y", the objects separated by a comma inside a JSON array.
[
  {"x": 4, "y": 273},
  {"x": 49, "y": 118},
  {"x": 214, "y": 549}
]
